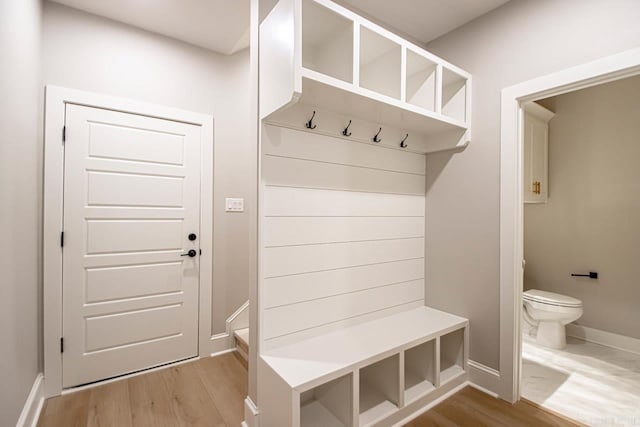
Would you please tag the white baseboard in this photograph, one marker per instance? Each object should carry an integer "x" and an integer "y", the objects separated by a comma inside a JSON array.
[
  {"x": 32, "y": 407},
  {"x": 219, "y": 344},
  {"x": 604, "y": 338},
  {"x": 484, "y": 378},
  {"x": 251, "y": 414}
]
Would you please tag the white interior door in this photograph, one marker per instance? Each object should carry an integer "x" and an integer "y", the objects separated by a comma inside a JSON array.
[{"x": 131, "y": 200}]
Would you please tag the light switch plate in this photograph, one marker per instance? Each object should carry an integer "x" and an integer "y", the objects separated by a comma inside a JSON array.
[{"x": 234, "y": 205}]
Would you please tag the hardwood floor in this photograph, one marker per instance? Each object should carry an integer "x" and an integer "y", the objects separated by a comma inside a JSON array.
[
  {"x": 471, "y": 407},
  {"x": 210, "y": 392}
]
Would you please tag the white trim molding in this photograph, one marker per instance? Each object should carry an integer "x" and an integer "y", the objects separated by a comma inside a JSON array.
[
  {"x": 56, "y": 99},
  {"x": 225, "y": 341},
  {"x": 239, "y": 319},
  {"x": 483, "y": 377},
  {"x": 251, "y": 414},
  {"x": 33, "y": 405},
  {"x": 609, "y": 339},
  {"x": 615, "y": 67}
]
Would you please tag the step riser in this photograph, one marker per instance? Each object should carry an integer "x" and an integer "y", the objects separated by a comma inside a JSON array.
[{"x": 242, "y": 348}]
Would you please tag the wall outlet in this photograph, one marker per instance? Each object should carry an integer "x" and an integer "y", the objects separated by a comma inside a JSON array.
[{"x": 234, "y": 205}]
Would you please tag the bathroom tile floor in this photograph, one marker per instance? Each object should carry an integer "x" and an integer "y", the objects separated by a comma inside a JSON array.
[{"x": 590, "y": 383}]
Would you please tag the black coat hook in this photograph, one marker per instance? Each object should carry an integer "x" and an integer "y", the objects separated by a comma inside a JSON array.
[
  {"x": 310, "y": 124},
  {"x": 346, "y": 132},
  {"x": 403, "y": 144},
  {"x": 375, "y": 138}
]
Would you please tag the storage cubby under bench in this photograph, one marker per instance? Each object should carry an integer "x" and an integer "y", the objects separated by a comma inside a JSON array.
[{"x": 373, "y": 373}]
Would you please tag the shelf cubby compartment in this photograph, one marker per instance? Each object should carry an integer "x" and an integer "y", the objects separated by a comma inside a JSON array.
[
  {"x": 379, "y": 390},
  {"x": 419, "y": 370},
  {"x": 327, "y": 42},
  {"x": 451, "y": 355},
  {"x": 421, "y": 81},
  {"x": 454, "y": 95},
  {"x": 329, "y": 404},
  {"x": 379, "y": 63}
]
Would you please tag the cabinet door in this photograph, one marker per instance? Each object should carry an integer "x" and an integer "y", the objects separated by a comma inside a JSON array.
[{"x": 536, "y": 140}]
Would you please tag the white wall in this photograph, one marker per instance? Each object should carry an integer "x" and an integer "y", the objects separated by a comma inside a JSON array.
[
  {"x": 83, "y": 51},
  {"x": 519, "y": 41},
  {"x": 342, "y": 233},
  {"x": 20, "y": 204},
  {"x": 592, "y": 219}
]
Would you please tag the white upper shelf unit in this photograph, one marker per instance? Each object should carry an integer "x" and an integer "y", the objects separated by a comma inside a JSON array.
[{"x": 318, "y": 53}]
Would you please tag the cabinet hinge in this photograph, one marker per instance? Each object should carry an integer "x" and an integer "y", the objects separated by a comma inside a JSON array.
[
  {"x": 64, "y": 133},
  {"x": 61, "y": 345},
  {"x": 62, "y": 239}
]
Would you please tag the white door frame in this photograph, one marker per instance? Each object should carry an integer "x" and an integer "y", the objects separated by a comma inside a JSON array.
[
  {"x": 625, "y": 64},
  {"x": 56, "y": 99}
]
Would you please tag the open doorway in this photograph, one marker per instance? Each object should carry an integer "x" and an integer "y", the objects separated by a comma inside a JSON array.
[
  {"x": 624, "y": 65},
  {"x": 580, "y": 342}
]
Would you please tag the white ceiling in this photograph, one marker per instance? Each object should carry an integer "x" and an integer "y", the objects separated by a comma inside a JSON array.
[
  {"x": 218, "y": 25},
  {"x": 422, "y": 20},
  {"x": 222, "y": 25}
]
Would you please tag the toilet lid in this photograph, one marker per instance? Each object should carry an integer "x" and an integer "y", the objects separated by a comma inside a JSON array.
[{"x": 551, "y": 298}]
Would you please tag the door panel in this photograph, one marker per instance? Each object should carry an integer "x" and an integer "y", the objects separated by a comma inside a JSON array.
[
  {"x": 119, "y": 189},
  {"x": 124, "y": 235},
  {"x": 110, "y": 331},
  {"x": 131, "y": 198},
  {"x": 119, "y": 142},
  {"x": 111, "y": 283}
]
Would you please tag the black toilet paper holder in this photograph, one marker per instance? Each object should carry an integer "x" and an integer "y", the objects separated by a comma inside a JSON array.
[{"x": 591, "y": 275}]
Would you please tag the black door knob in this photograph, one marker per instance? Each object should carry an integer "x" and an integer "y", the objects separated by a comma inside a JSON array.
[
  {"x": 192, "y": 236},
  {"x": 191, "y": 253}
]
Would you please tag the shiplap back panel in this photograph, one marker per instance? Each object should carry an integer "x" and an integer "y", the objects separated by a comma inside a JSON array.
[{"x": 342, "y": 233}]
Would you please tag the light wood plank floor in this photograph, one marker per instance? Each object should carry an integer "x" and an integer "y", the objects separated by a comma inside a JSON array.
[
  {"x": 470, "y": 407},
  {"x": 210, "y": 392}
]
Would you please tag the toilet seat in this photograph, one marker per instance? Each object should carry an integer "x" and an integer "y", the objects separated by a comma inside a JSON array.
[{"x": 550, "y": 298}]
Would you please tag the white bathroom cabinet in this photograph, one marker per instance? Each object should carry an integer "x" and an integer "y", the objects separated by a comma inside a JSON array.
[
  {"x": 536, "y": 153},
  {"x": 319, "y": 54}
]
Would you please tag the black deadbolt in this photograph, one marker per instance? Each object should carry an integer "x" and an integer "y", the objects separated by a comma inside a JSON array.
[{"x": 192, "y": 236}]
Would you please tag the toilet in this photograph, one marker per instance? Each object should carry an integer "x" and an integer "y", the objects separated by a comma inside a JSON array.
[{"x": 549, "y": 312}]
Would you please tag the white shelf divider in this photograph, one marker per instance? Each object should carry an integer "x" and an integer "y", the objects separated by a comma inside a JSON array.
[
  {"x": 419, "y": 370},
  {"x": 380, "y": 390},
  {"x": 328, "y": 405},
  {"x": 452, "y": 355},
  {"x": 454, "y": 95}
]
